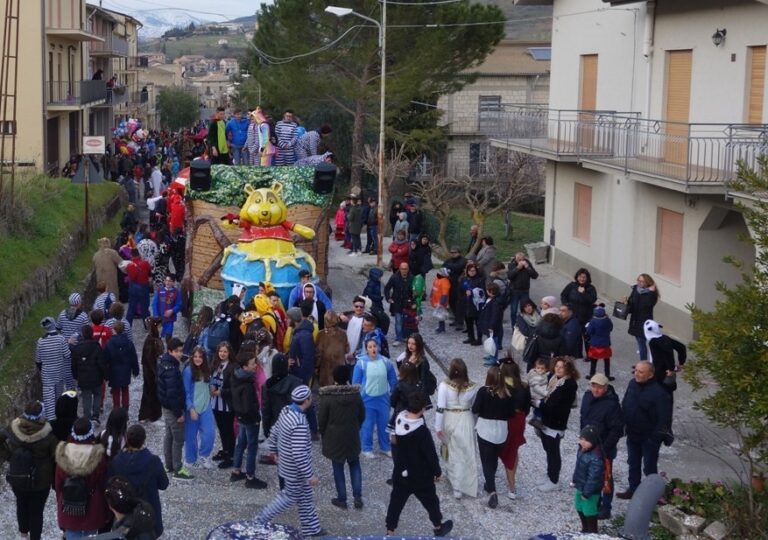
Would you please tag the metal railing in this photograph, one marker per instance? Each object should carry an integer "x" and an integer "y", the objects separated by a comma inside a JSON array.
[
  {"x": 74, "y": 93},
  {"x": 683, "y": 152},
  {"x": 560, "y": 132},
  {"x": 112, "y": 45},
  {"x": 690, "y": 153}
]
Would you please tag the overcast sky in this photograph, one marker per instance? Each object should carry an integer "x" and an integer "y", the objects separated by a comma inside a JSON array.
[{"x": 230, "y": 9}]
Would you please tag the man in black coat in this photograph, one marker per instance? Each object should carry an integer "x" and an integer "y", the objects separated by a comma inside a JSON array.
[
  {"x": 647, "y": 410},
  {"x": 491, "y": 320},
  {"x": 455, "y": 263},
  {"x": 572, "y": 332},
  {"x": 172, "y": 397},
  {"x": 600, "y": 408},
  {"x": 397, "y": 291},
  {"x": 520, "y": 273}
]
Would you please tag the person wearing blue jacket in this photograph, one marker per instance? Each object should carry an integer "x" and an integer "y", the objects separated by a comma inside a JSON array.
[
  {"x": 166, "y": 304},
  {"x": 571, "y": 332},
  {"x": 143, "y": 470},
  {"x": 373, "y": 287},
  {"x": 237, "y": 134},
  {"x": 199, "y": 424},
  {"x": 377, "y": 379},
  {"x": 301, "y": 357},
  {"x": 122, "y": 361},
  {"x": 647, "y": 410},
  {"x": 170, "y": 392},
  {"x": 297, "y": 293},
  {"x": 588, "y": 478}
]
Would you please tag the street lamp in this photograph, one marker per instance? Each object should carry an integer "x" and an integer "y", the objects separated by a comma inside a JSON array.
[{"x": 382, "y": 26}]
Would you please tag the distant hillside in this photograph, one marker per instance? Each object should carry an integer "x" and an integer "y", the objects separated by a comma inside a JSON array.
[{"x": 199, "y": 44}]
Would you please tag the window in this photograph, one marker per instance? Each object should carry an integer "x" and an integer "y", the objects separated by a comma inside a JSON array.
[
  {"x": 582, "y": 212},
  {"x": 479, "y": 159},
  {"x": 8, "y": 127},
  {"x": 669, "y": 244},
  {"x": 489, "y": 108}
]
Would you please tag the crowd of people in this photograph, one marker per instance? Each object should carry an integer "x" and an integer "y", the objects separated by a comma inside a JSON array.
[{"x": 310, "y": 371}]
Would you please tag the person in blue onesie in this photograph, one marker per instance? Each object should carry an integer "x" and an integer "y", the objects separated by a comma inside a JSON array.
[
  {"x": 377, "y": 378},
  {"x": 166, "y": 304}
]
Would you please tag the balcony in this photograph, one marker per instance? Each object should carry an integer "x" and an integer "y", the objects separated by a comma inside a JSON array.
[
  {"x": 694, "y": 156},
  {"x": 686, "y": 157},
  {"x": 561, "y": 134},
  {"x": 112, "y": 47},
  {"x": 73, "y": 34},
  {"x": 74, "y": 95}
]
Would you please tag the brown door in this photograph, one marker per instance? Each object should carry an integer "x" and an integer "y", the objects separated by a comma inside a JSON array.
[
  {"x": 756, "y": 85},
  {"x": 52, "y": 165},
  {"x": 587, "y": 101},
  {"x": 678, "y": 104}
]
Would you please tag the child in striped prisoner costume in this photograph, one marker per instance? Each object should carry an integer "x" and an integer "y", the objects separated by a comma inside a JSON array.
[
  {"x": 71, "y": 321},
  {"x": 290, "y": 441},
  {"x": 53, "y": 359}
]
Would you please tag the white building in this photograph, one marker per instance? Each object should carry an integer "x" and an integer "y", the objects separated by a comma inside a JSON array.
[{"x": 651, "y": 104}]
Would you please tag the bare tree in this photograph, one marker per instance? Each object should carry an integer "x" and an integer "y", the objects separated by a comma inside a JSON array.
[
  {"x": 397, "y": 165},
  {"x": 512, "y": 178},
  {"x": 440, "y": 194}
]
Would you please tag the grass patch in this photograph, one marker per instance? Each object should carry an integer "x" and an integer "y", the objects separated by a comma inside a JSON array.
[
  {"x": 18, "y": 357},
  {"x": 525, "y": 229},
  {"x": 206, "y": 45},
  {"x": 40, "y": 236}
]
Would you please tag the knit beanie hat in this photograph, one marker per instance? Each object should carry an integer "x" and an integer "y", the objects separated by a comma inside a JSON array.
[
  {"x": 294, "y": 314},
  {"x": 74, "y": 299},
  {"x": 300, "y": 394},
  {"x": 49, "y": 324},
  {"x": 551, "y": 301},
  {"x": 599, "y": 311}
]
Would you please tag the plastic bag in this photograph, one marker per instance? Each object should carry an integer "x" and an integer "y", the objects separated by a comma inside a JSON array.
[{"x": 489, "y": 346}]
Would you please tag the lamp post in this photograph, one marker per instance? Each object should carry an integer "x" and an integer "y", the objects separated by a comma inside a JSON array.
[{"x": 382, "y": 26}]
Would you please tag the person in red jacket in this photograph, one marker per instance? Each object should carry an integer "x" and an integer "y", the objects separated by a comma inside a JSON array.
[
  {"x": 79, "y": 482},
  {"x": 400, "y": 250},
  {"x": 176, "y": 212},
  {"x": 139, "y": 272}
]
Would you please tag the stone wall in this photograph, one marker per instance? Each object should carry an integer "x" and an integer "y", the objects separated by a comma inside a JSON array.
[{"x": 41, "y": 285}]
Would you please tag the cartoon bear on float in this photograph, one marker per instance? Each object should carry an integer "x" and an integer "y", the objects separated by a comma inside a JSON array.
[{"x": 265, "y": 250}]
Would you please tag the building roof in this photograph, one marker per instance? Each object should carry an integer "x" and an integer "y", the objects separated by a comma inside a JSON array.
[
  {"x": 102, "y": 12},
  {"x": 514, "y": 58},
  {"x": 125, "y": 16}
]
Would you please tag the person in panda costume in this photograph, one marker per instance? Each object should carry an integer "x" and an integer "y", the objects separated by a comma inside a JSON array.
[{"x": 661, "y": 353}]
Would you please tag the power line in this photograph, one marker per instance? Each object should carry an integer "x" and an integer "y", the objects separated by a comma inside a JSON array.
[
  {"x": 171, "y": 8},
  {"x": 419, "y": 4}
]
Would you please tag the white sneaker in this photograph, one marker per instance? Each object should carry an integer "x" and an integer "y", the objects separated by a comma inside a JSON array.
[
  {"x": 396, "y": 343},
  {"x": 206, "y": 463},
  {"x": 512, "y": 495},
  {"x": 387, "y": 453},
  {"x": 457, "y": 494},
  {"x": 549, "y": 486},
  {"x": 369, "y": 455}
]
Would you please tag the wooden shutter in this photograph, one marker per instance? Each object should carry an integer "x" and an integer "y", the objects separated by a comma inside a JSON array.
[
  {"x": 756, "y": 85},
  {"x": 582, "y": 212},
  {"x": 669, "y": 244},
  {"x": 587, "y": 100},
  {"x": 678, "y": 104}
]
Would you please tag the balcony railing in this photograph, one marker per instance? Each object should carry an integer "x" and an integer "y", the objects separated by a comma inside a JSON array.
[
  {"x": 74, "y": 93},
  {"x": 561, "y": 133},
  {"x": 690, "y": 153},
  {"x": 702, "y": 154},
  {"x": 111, "y": 46}
]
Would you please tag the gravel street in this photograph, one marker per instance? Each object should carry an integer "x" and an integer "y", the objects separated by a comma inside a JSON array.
[{"x": 192, "y": 508}]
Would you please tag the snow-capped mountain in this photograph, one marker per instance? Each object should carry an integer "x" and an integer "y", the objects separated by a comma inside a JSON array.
[{"x": 157, "y": 21}]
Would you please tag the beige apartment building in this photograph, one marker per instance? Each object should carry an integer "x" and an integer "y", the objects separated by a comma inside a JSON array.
[
  {"x": 651, "y": 105},
  {"x": 515, "y": 72},
  {"x": 62, "y": 45}
]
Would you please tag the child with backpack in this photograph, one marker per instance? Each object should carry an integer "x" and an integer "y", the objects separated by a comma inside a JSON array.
[
  {"x": 218, "y": 331},
  {"x": 598, "y": 333},
  {"x": 28, "y": 444},
  {"x": 122, "y": 362},
  {"x": 89, "y": 369},
  {"x": 101, "y": 332},
  {"x": 441, "y": 290},
  {"x": 81, "y": 468},
  {"x": 373, "y": 288},
  {"x": 588, "y": 478}
]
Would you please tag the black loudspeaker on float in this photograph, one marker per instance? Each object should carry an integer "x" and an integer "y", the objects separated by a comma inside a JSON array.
[
  {"x": 325, "y": 176},
  {"x": 200, "y": 175}
]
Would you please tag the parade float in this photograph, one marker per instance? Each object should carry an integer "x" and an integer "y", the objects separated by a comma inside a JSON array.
[{"x": 254, "y": 224}]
